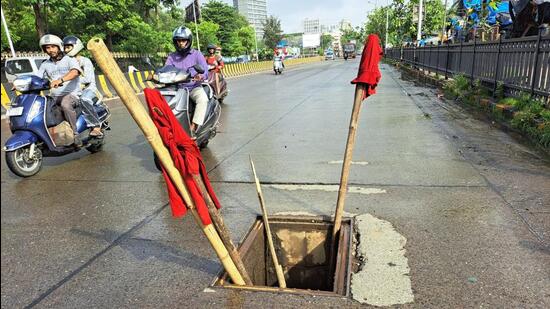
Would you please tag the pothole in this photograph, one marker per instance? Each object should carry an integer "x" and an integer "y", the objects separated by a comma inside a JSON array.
[{"x": 302, "y": 245}]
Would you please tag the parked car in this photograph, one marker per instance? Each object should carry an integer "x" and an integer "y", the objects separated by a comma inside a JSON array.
[{"x": 23, "y": 66}]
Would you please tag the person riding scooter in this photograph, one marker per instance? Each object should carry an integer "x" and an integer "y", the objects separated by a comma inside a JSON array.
[
  {"x": 73, "y": 46},
  {"x": 215, "y": 76},
  {"x": 64, "y": 74},
  {"x": 185, "y": 58}
]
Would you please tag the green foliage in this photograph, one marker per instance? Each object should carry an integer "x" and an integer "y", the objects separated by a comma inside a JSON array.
[
  {"x": 532, "y": 118},
  {"x": 500, "y": 90},
  {"x": 401, "y": 26},
  {"x": 272, "y": 32},
  {"x": 229, "y": 21},
  {"x": 356, "y": 34},
  {"x": 208, "y": 33},
  {"x": 326, "y": 41}
]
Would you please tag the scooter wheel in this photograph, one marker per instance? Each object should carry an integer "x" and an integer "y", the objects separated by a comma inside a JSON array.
[
  {"x": 20, "y": 164},
  {"x": 95, "y": 147}
]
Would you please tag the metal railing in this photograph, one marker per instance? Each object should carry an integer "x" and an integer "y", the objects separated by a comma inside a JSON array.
[{"x": 521, "y": 65}]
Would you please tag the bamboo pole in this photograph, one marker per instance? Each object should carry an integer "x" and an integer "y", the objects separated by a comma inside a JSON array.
[
  {"x": 359, "y": 91},
  {"x": 220, "y": 226},
  {"x": 278, "y": 268},
  {"x": 111, "y": 70}
]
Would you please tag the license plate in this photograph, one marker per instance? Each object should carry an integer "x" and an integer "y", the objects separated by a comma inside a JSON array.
[{"x": 15, "y": 111}]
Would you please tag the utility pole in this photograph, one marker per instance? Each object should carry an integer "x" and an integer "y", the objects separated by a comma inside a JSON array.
[
  {"x": 420, "y": 16},
  {"x": 7, "y": 32},
  {"x": 256, "y": 43}
]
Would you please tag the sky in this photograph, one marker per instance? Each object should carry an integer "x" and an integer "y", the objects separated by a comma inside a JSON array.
[{"x": 293, "y": 12}]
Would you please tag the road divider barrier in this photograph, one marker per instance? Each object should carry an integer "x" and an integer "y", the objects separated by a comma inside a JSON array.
[{"x": 139, "y": 80}]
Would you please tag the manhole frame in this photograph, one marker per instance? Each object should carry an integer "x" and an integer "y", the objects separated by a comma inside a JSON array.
[{"x": 343, "y": 261}]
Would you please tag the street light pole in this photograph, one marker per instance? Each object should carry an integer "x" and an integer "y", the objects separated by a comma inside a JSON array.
[
  {"x": 387, "y": 24},
  {"x": 443, "y": 32},
  {"x": 7, "y": 32},
  {"x": 420, "y": 15}
]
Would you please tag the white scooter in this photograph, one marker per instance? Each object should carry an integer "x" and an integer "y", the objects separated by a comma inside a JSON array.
[{"x": 278, "y": 65}]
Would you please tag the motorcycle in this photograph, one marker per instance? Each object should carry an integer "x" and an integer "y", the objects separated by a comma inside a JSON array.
[
  {"x": 217, "y": 82},
  {"x": 278, "y": 65},
  {"x": 40, "y": 130}
]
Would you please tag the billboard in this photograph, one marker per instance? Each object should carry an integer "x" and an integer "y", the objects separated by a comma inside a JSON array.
[{"x": 311, "y": 40}]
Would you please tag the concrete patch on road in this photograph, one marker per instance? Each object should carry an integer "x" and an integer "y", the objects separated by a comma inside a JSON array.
[
  {"x": 383, "y": 279},
  {"x": 352, "y": 162},
  {"x": 327, "y": 188}
]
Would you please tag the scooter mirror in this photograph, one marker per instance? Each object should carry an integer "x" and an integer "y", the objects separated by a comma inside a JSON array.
[{"x": 198, "y": 68}]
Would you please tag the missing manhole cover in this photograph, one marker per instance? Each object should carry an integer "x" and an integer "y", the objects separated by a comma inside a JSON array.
[{"x": 302, "y": 245}]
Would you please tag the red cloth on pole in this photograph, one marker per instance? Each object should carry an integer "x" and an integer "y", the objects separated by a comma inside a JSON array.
[
  {"x": 369, "y": 73},
  {"x": 186, "y": 155}
]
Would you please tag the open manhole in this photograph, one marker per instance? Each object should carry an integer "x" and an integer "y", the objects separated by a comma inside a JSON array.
[{"x": 302, "y": 245}]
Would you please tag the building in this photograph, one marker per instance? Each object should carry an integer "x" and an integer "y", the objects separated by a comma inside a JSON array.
[
  {"x": 255, "y": 12},
  {"x": 312, "y": 26}
]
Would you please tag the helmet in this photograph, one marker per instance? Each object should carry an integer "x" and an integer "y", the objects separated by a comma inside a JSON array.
[
  {"x": 182, "y": 33},
  {"x": 50, "y": 39},
  {"x": 75, "y": 42},
  {"x": 211, "y": 46}
]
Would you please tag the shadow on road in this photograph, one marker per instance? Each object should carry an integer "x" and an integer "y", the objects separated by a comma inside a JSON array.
[{"x": 143, "y": 249}]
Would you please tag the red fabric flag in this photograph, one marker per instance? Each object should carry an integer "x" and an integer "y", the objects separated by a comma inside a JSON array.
[
  {"x": 369, "y": 73},
  {"x": 186, "y": 155}
]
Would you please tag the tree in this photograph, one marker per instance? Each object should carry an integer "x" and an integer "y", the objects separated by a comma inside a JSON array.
[
  {"x": 247, "y": 38},
  {"x": 326, "y": 41},
  {"x": 208, "y": 34},
  {"x": 229, "y": 21},
  {"x": 272, "y": 32}
]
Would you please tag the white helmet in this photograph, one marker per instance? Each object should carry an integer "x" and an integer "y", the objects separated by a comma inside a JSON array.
[
  {"x": 50, "y": 39},
  {"x": 75, "y": 42}
]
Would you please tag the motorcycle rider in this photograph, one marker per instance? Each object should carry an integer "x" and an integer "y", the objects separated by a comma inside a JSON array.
[
  {"x": 64, "y": 75},
  {"x": 212, "y": 59},
  {"x": 73, "y": 46},
  {"x": 185, "y": 58}
]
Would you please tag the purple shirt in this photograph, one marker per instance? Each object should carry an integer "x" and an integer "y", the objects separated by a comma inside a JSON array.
[{"x": 186, "y": 63}]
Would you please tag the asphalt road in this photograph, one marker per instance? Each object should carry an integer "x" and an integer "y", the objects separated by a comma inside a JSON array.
[{"x": 471, "y": 202}]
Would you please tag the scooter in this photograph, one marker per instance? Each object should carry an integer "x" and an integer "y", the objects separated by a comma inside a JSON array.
[
  {"x": 32, "y": 117},
  {"x": 278, "y": 65},
  {"x": 167, "y": 79},
  {"x": 218, "y": 83}
]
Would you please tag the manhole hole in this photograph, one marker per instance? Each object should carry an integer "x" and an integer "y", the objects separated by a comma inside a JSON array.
[{"x": 302, "y": 245}]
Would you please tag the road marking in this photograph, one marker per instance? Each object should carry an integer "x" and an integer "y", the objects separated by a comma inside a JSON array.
[
  {"x": 384, "y": 277},
  {"x": 352, "y": 162},
  {"x": 328, "y": 188}
]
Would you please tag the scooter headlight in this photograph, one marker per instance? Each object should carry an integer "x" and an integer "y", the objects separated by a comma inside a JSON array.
[
  {"x": 167, "y": 77},
  {"x": 22, "y": 83},
  {"x": 35, "y": 109}
]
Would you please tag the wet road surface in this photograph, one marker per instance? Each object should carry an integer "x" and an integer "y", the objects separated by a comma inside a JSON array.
[{"x": 471, "y": 202}]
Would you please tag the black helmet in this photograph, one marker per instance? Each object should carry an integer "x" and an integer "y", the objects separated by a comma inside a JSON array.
[{"x": 182, "y": 33}]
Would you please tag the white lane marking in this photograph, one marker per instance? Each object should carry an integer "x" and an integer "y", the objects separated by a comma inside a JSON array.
[
  {"x": 328, "y": 188},
  {"x": 384, "y": 278},
  {"x": 352, "y": 162}
]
